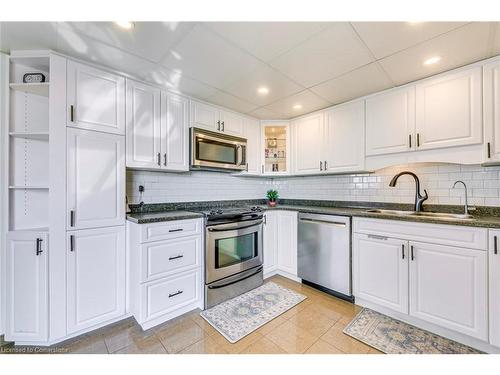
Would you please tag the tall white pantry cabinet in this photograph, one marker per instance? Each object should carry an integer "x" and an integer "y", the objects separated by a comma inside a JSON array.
[{"x": 66, "y": 199}]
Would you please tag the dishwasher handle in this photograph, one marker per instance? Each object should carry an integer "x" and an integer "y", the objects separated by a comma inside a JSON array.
[{"x": 319, "y": 221}]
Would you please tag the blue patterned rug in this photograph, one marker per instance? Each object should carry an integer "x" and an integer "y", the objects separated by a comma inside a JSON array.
[
  {"x": 242, "y": 315},
  {"x": 392, "y": 336}
]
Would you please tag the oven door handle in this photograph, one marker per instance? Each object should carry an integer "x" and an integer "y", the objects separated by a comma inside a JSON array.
[
  {"x": 242, "y": 225},
  {"x": 235, "y": 281}
]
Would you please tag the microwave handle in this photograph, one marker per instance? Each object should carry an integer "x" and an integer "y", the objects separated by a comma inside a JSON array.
[{"x": 239, "y": 150}]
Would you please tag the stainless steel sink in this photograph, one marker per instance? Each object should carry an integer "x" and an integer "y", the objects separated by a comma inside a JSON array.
[{"x": 437, "y": 215}]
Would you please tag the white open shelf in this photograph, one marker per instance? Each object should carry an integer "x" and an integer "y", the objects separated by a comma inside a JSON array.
[{"x": 32, "y": 88}]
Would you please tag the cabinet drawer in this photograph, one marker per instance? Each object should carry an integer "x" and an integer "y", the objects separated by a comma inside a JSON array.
[
  {"x": 165, "y": 295},
  {"x": 171, "y": 229},
  {"x": 161, "y": 258},
  {"x": 452, "y": 235}
]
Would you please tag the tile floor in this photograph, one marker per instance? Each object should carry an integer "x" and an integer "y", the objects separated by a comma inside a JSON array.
[{"x": 314, "y": 326}]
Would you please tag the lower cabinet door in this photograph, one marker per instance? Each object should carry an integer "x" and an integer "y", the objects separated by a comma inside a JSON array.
[
  {"x": 494, "y": 271},
  {"x": 95, "y": 276},
  {"x": 448, "y": 287},
  {"x": 380, "y": 271},
  {"x": 270, "y": 242},
  {"x": 287, "y": 241},
  {"x": 163, "y": 296},
  {"x": 27, "y": 293}
]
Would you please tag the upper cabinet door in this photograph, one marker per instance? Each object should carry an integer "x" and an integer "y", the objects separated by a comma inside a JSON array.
[
  {"x": 27, "y": 283},
  {"x": 494, "y": 286},
  {"x": 345, "y": 138},
  {"x": 96, "y": 99},
  {"x": 308, "y": 144},
  {"x": 491, "y": 95},
  {"x": 253, "y": 152},
  {"x": 449, "y": 110},
  {"x": 204, "y": 116},
  {"x": 174, "y": 132},
  {"x": 96, "y": 179},
  {"x": 95, "y": 266},
  {"x": 143, "y": 126},
  {"x": 449, "y": 287},
  {"x": 390, "y": 122},
  {"x": 231, "y": 123}
]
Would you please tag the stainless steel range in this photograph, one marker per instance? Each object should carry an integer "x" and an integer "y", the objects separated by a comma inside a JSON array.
[{"x": 233, "y": 252}]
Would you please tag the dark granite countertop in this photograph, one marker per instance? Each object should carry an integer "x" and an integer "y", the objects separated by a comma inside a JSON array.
[
  {"x": 485, "y": 217},
  {"x": 155, "y": 217}
]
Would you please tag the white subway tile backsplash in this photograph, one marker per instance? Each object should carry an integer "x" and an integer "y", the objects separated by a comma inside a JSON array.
[{"x": 483, "y": 184}]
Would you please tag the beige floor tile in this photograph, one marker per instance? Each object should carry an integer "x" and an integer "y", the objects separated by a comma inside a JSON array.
[
  {"x": 239, "y": 346},
  {"x": 180, "y": 336},
  {"x": 269, "y": 326},
  {"x": 322, "y": 347},
  {"x": 88, "y": 345},
  {"x": 148, "y": 345},
  {"x": 291, "y": 338},
  {"x": 314, "y": 322},
  {"x": 206, "y": 326},
  {"x": 119, "y": 339},
  {"x": 205, "y": 346},
  {"x": 334, "y": 336},
  {"x": 263, "y": 346}
]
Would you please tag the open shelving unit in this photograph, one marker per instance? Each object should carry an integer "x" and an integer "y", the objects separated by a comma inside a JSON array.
[
  {"x": 276, "y": 148},
  {"x": 28, "y": 145}
]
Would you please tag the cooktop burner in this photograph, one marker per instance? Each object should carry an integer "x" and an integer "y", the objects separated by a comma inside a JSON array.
[{"x": 224, "y": 214}]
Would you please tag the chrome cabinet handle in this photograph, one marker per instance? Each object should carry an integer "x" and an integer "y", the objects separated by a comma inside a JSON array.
[
  {"x": 409, "y": 140},
  {"x": 39, "y": 246},
  {"x": 175, "y": 294},
  {"x": 176, "y": 257},
  {"x": 222, "y": 125},
  {"x": 72, "y": 243},
  {"x": 72, "y": 113},
  {"x": 489, "y": 150},
  {"x": 72, "y": 218},
  {"x": 320, "y": 165},
  {"x": 402, "y": 251},
  {"x": 175, "y": 230},
  {"x": 495, "y": 245},
  {"x": 411, "y": 252},
  {"x": 377, "y": 237},
  {"x": 165, "y": 159},
  {"x": 418, "y": 140},
  {"x": 247, "y": 167},
  {"x": 159, "y": 158},
  {"x": 326, "y": 165},
  {"x": 218, "y": 125}
]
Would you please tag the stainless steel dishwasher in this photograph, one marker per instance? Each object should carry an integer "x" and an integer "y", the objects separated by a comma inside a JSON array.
[{"x": 324, "y": 253}]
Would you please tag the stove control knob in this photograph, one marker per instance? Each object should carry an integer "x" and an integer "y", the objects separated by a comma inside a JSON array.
[
  {"x": 212, "y": 213},
  {"x": 219, "y": 211}
]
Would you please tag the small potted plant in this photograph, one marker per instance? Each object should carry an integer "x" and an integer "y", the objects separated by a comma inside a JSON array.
[{"x": 272, "y": 196}]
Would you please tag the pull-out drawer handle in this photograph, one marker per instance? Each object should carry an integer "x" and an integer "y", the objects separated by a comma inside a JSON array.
[
  {"x": 175, "y": 230},
  {"x": 176, "y": 257},
  {"x": 175, "y": 294},
  {"x": 377, "y": 237}
]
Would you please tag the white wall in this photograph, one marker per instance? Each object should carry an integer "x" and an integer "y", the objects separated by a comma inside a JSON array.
[{"x": 483, "y": 184}]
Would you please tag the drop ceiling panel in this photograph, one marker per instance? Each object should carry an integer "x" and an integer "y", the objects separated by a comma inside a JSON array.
[
  {"x": 279, "y": 86},
  {"x": 267, "y": 114},
  {"x": 151, "y": 40},
  {"x": 307, "y": 99},
  {"x": 326, "y": 55},
  {"x": 232, "y": 102},
  {"x": 266, "y": 40},
  {"x": 460, "y": 47},
  {"x": 27, "y": 35},
  {"x": 207, "y": 57},
  {"x": 385, "y": 38},
  {"x": 362, "y": 81}
]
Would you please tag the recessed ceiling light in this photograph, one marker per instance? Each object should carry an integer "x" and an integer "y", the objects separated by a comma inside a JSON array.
[
  {"x": 263, "y": 90},
  {"x": 432, "y": 60},
  {"x": 297, "y": 106},
  {"x": 127, "y": 25}
]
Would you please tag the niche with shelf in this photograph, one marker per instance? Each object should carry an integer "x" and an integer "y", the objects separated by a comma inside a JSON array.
[{"x": 276, "y": 148}]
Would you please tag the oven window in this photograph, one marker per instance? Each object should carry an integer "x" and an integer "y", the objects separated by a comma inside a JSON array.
[
  {"x": 216, "y": 152},
  {"x": 234, "y": 250}
]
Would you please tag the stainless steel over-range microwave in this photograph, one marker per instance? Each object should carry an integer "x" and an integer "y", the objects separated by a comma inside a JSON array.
[{"x": 215, "y": 151}]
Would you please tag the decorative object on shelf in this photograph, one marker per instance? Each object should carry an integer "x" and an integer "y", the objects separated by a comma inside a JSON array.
[
  {"x": 33, "y": 78},
  {"x": 272, "y": 142},
  {"x": 272, "y": 196}
]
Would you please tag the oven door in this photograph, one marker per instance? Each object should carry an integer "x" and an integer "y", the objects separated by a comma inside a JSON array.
[
  {"x": 213, "y": 151},
  {"x": 232, "y": 248}
]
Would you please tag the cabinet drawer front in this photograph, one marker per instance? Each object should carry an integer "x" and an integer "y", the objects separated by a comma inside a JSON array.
[
  {"x": 452, "y": 235},
  {"x": 162, "y": 258},
  {"x": 172, "y": 229},
  {"x": 163, "y": 296}
]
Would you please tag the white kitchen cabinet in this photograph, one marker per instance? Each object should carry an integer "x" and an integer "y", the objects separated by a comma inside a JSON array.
[
  {"x": 448, "y": 287},
  {"x": 491, "y": 97},
  {"x": 252, "y": 134},
  {"x": 308, "y": 139},
  {"x": 174, "y": 132},
  {"x": 380, "y": 271},
  {"x": 95, "y": 266},
  {"x": 344, "y": 138},
  {"x": 390, "y": 121},
  {"x": 212, "y": 118},
  {"x": 95, "y": 179},
  {"x": 27, "y": 287},
  {"x": 143, "y": 126},
  {"x": 286, "y": 230},
  {"x": 449, "y": 110},
  {"x": 95, "y": 99},
  {"x": 270, "y": 242},
  {"x": 494, "y": 286}
]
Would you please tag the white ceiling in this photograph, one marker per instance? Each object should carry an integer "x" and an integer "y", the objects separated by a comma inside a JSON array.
[{"x": 314, "y": 64}]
